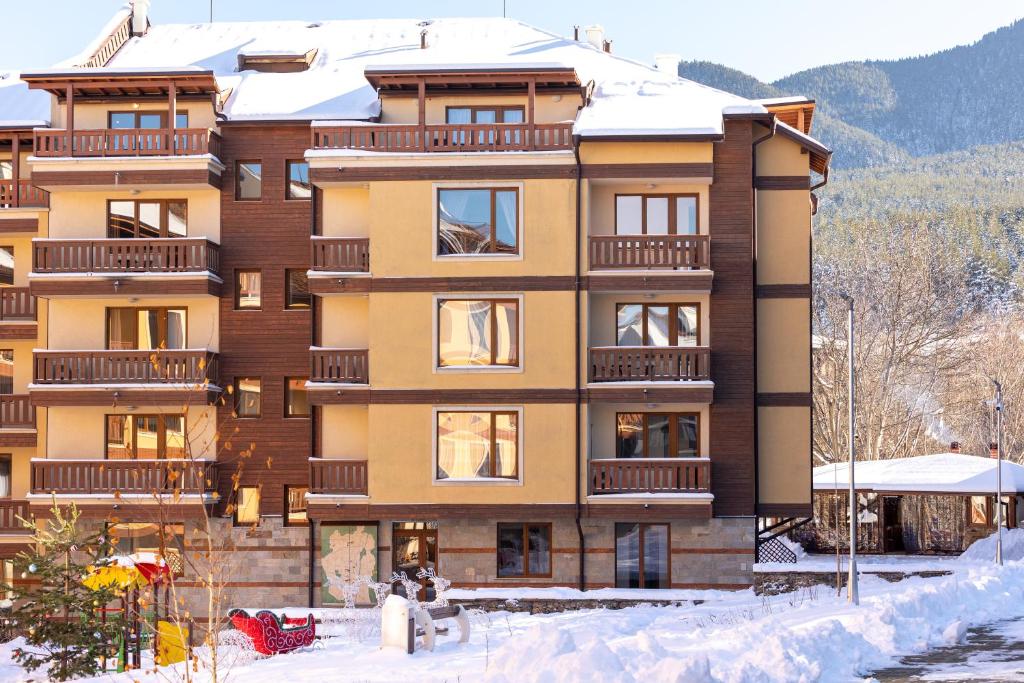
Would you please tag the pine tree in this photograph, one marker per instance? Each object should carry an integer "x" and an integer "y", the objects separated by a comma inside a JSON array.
[{"x": 59, "y": 616}]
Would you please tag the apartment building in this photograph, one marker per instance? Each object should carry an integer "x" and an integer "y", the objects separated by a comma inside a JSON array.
[{"x": 393, "y": 295}]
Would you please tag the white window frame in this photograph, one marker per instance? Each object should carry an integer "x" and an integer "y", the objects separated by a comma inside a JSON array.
[
  {"x": 474, "y": 185},
  {"x": 477, "y": 481},
  {"x": 435, "y": 349}
]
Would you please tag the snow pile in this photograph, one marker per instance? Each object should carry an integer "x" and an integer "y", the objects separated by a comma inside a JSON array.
[
  {"x": 984, "y": 549},
  {"x": 797, "y": 549}
]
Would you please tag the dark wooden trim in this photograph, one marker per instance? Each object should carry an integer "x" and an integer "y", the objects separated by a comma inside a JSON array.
[
  {"x": 793, "y": 399},
  {"x": 797, "y": 291},
  {"x": 352, "y": 174},
  {"x": 785, "y": 510},
  {"x": 127, "y": 177},
  {"x": 19, "y": 224},
  {"x": 643, "y": 511},
  {"x": 665, "y": 137},
  {"x": 11, "y": 330},
  {"x": 646, "y": 171},
  {"x": 680, "y": 281},
  {"x": 127, "y": 286},
  {"x": 56, "y": 396},
  {"x": 683, "y": 393},
  {"x": 11, "y": 439},
  {"x": 782, "y": 182},
  {"x": 535, "y": 283},
  {"x": 330, "y": 511},
  {"x": 150, "y": 511},
  {"x": 329, "y": 395}
]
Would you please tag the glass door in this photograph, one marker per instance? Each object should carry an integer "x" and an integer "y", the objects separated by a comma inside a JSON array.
[
  {"x": 414, "y": 547},
  {"x": 642, "y": 556}
]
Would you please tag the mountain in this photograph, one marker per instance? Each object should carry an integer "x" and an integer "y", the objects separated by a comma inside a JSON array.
[{"x": 881, "y": 112}]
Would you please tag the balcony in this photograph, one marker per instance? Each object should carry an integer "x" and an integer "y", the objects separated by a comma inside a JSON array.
[
  {"x": 17, "y": 421},
  {"x": 10, "y": 511},
  {"x": 650, "y": 475},
  {"x": 126, "y": 142},
  {"x": 16, "y": 194},
  {"x": 337, "y": 477},
  {"x": 340, "y": 254},
  {"x": 159, "y": 266},
  {"x": 650, "y": 252},
  {"x": 123, "y": 477},
  {"x": 469, "y": 137},
  {"x": 650, "y": 363},
  {"x": 17, "y": 313},
  {"x": 344, "y": 366}
]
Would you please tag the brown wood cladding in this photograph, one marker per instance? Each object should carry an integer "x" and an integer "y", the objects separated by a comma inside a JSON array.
[
  {"x": 785, "y": 510},
  {"x": 450, "y": 172},
  {"x": 678, "y": 281},
  {"x": 683, "y": 392},
  {"x": 8, "y": 225},
  {"x": 733, "y": 435},
  {"x": 196, "y": 176},
  {"x": 270, "y": 234},
  {"x": 329, "y": 510},
  {"x": 15, "y": 330},
  {"x": 802, "y": 291},
  {"x": 783, "y": 182},
  {"x": 792, "y": 399},
  {"x": 648, "y": 171},
  {"x": 56, "y": 396},
  {"x": 127, "y": 287}
]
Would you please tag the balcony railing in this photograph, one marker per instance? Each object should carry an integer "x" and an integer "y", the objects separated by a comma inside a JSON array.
[
  {"x": 126, "y": 367},
  {"x": 650, "y": 251},
  {"x": 649, "y": 363},
  {"x": 21, "y": 193},
  {"x": 17, "y": 412},
  {"x": 157, "y": 255},
  {"x": 337, "y": 477},
  {"x": 340, "y": 254},
  {"x": 126, "y": 142},
  {"x": 17, "y": 304},
  {"x": 635, "y": 475},
  {"x": 10, "y": 511},
  {"x": 349, "y": 366},
  {"x": 446, "y": 137},
  {"x": 141, "y": 477}
]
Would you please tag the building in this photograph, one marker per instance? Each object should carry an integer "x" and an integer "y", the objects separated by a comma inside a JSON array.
[{"x": 457, "y": 293}]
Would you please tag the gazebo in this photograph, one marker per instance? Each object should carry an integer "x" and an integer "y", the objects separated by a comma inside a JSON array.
[{"x": 937, "y": 503}]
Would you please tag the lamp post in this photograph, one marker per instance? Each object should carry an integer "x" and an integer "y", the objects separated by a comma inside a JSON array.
[
  {"x": 999, "y": 472},
  {"x": 852, "y": 594}
]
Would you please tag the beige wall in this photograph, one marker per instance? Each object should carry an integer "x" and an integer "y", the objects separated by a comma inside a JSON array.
[
  {"x": 781, "y": 156},
  {"x": 784, "y": 451},
  {"x": 345, "y": 322},
  {"x": 21, "y": 470},
  {"x": 783, "y": 345},
  {"x": 345, "y": 432},
  {"x": 548, "y": 108},
  {"x": 94, "y": 116},
  {"x": 80, "y": 324},
  {"x": 79, "y": 431},
  {"x": 603, "y": 313},
  {"x": 346, "y": 211},
  {"x": 646, "y": 153},
  {"x": 22, "y": 363},
  {"x": 22, "y": 257},
  {"x": 602, "y": 423},
  {"x": 783, "y": 237},
  {"x": 601, "y": 219},
  {"x": 84, "y": 214}
]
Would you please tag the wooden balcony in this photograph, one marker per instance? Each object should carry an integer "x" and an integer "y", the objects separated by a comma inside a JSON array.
[
  {"x": 650, "y": 475},
  {"x": 470, "y": 137},
  {"x": 187, "y": 366},
  {"x": 340, "y": 254},
  {"x": 16, "y": 194},
  {"x": 126, "y": 142},
  {"x": 345, "y": 366},
  {"x": 17, "y": 412},
  {"x": 650, "y": 252},
  {"x": 121, "y": 477},
  {"x": 650, "y": 363},
  {"x": 17, "y": 304},
  {"x": 10, "y": 511},
  {"x": 337, "y": 477}
]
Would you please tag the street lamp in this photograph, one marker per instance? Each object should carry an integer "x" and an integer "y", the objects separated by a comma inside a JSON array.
[
  {"x": 999, "y": 472},
  {"x": 852, "y": 594}
]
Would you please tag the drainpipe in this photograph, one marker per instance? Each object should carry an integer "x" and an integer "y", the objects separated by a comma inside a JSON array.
[{"x": 579, "y": 368}]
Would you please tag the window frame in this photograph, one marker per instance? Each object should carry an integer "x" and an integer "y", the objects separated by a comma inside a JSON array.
[
  {"x": 238, "y": 395},
  {"x": 473, "y": 109},
  {"x": 493, "y": 300},
  {"x": 3, "y": 361},
  {"x": 526, "y": 573},
  {"x": 8, "y": 458},
  {"x": 672, "y": 217},
  {"x": 288, "y": 181},
  {"x": 642, "y": 526},
  {"x": 288, "y": 305},
  {"x": 164, "y": 214},
  {"x": 287, "y": 400},
  {"x": 237, "y": 506},
  {"x": 517, "y": 255},
  {"x": 135, "y": 113},
  {"x": 286, "y": 509},
  {"x": 493, "y": 411},
  {"x": 673, "y": 434},
  {"x": 238, "y": 290},
  {"x": 161, "y": 435},
  {"x": 673, "y": 317},
  {"x": 162, "y": 324},
  {"x": 238, "y": 184}
]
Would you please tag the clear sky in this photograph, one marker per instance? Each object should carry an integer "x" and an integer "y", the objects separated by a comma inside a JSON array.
[{"x": 766, "y": 39}]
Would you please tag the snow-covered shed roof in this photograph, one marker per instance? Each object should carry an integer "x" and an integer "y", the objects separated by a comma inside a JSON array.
[
  {"x": 939, "y": 473},
  {"x": 19, "y": 106}
]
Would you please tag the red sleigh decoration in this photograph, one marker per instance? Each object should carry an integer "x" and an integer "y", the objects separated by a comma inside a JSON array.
[{"x": 272, "y": 637}]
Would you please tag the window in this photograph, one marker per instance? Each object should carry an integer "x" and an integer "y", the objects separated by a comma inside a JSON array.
[
  {"x": 6, "y": 170},
  {"x": 247, "y": 505},
  {"x": 149, "y": 120},
  {"x": 248, "y": 290},
  {"x": 662, "y": 214},
  {"x": 146, "y": 328},
  {"x": 297, "y": 175},
  {"x": 295, "y": 506},
  {"x": 478, "y": 221},
  {"x": 133, "y": 218},
  {"x": 6, "y": 372},
  {"x": 247, "y": 397},
  {"x": 248, "y": 181},
  {"x": 657, "y": 435},
  {"x": 5, "y": 475},
  {"x": 524, "y": 550},
  {"x": 6, "y": 265},
  {"x": 296, "y": 397},
  {"x": 981, "y": 511},
  {"x": 134, "y": 538},
  {"x": 145, "y": 437},
  {"x": 496, "y": 114},
  {"x": 657, "y": 324},
  {"x": 477, "y": 332},
  {"x": 477, "y": 445},
  {"x": 297, "y": 296},
  {"x": 642, "y": 556}
]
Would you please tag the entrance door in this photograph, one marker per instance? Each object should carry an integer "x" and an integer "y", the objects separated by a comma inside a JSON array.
[
  {"x": 414, "y": 547},
  {"x": 892, "y": 539}
]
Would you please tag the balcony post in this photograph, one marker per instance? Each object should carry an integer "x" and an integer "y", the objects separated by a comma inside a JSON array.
[
  {"x": 16, "y": 169},
  {"x": 531, "y": 99},
  {"x": 69, "y": 106},
  {"x": 421, "y": 94},
  {"x": 172, "y": 110}
]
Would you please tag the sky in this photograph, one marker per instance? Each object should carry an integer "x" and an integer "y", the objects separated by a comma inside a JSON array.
[{"x": 765, "y": 39}]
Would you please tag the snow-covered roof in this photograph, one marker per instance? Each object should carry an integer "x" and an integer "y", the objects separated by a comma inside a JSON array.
[
  {"x": 939, "y": 473},
  {"x": 630, "y": 98},
  {"x": 19, "y": 106}
]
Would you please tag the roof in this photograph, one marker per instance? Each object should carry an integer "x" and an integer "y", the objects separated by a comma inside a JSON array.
[
  {"x": 104, "y": 82},
  {"x": 940, "y": 473},
  {"x": 21, "y": 108}
]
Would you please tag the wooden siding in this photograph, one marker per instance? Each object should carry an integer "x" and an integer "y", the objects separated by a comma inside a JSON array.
[{"x": 113, "y": 178}]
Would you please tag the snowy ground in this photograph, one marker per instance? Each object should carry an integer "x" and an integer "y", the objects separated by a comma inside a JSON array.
[
  {"x": 867, "y": 563},
  {"x": 736, "y": 637}
]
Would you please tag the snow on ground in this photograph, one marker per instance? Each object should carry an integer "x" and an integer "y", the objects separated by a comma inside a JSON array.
[
  {"x": 871, "y": 564},
  {"x": 812, "y": 635}
]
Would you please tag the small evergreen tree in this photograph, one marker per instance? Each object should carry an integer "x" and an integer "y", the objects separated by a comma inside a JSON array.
[{"x": 58, "y": 615}]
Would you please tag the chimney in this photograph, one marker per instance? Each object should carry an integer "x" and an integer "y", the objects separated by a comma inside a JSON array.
[
  {"x": 423, "y": 39},
  {"x": 595, "y": 36},
  {"x": 140, "y": 17},
  {"x": 576, "y": 33},
  {"x": 668, "y": 63},
  {"x": 993, "y": 450},
  {"x": 607, "y": 47},
  {"x": 954, "y": 447}
]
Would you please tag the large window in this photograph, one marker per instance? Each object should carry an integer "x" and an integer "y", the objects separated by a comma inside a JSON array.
[
  {"x": 247, "y": 505},
  {"x": 642, "y": 556},
  {"x": 477, "y": 445},
  {"x": 295, "y": 506},
  {"x": 297, "y": 297},
  {"x": 130, "y": 218},
  {"x": 248, "y": 290},
  {"x": 524, "y": 550},
  {"x": 248, "y": 181},
  {"x": 146, "y": 328},
  {"x": 6, "y": 372},
  {"x": 134, "y": 538},
  {"x": 5, "y": 475},
  {"x": 492, "y": 114},
  {"x": 248, "y": 392},
  {"x": 6, "y": 265},
  {"x": 477, "y": 221},
  {"x": 297, "y": 179},
  {"x": 148, "y": 120},
  {"x": 145, "y": 437},
  {"x": 477, "y": 332},
  {"x": 656, "y": 214},
  {"x": 296, "y": 397},
  {"x": 657, "y": 325},
  {"x": 657, "y": 435}
]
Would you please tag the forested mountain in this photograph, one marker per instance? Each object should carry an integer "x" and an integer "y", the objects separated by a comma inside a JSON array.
[{"x": 878, "y": 112}]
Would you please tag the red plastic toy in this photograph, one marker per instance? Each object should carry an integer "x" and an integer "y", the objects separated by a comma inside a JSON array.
[{"x": 269, "y": 635}]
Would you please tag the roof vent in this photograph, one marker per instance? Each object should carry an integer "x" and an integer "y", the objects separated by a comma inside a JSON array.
[
  {"x": 423, "y": 39},
  {"x": 595, "y": 36},
  {"x": 668, "y": 63}
]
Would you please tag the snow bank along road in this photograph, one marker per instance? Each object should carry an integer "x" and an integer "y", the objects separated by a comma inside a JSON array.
[{"x": 733, "y": 637}]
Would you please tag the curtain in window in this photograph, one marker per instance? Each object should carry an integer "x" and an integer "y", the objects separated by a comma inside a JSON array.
[
  {"x": 506, "y": 444},
  {"x": 507, "y": 328},
  {"x": 463, "y": 445},
  {"x": 175, "y": 329},
  {"x": 464, "y": 331},
  {"x": 121, "y": 329},
  {"x": 5, "y": 477},
  {"x": 505, "y": 217}
]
